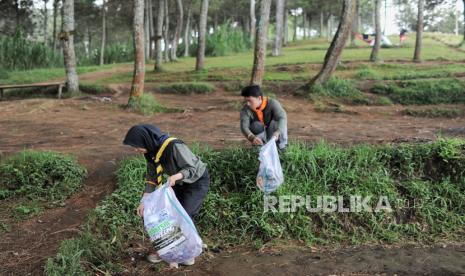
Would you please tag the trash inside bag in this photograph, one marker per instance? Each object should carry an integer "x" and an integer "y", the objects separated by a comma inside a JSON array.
[
  {"x": 270, "y": 174},
  {"x": 169, "y": 227}
]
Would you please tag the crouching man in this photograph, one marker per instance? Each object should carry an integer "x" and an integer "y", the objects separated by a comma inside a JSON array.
[{"x": 262, "y": 118}]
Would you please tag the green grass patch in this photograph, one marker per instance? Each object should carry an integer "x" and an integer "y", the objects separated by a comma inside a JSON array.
[
  {"x": 234, "y": 86},
  {"x": 52, "y": 91},
  {"x": 94, "y": 89},
  {"x": 68, "y": 260},
  {"x": 43, "y": 75},
  {"x": 430, "y": 175},
  {"x": 434, "y": 112},
  {"x": 146, "y": 105},
  {"x": 444, "y": 91},
  {"x": 408, "y": 75},
  {"x": 32, "y": 93},
  {"x": 4, "y": 227},
  {"x": 383, "y": 101},
  {"x": 27, "y": 210},
  {"x": 309, "y": 51},
  {"x": 45, "y": 175},
  {"x": 186, "y": 88},
  {"x": 338, "y": 88},
  {"x": 367, "y": 74},
  {"x": 406, "y": 71},
  {"x": 107, "y": 230}
]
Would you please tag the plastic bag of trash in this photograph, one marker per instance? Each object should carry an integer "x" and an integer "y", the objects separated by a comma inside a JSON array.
[
  {"x": 169, "y": 227},
  {"x": 270, "y": 174}
]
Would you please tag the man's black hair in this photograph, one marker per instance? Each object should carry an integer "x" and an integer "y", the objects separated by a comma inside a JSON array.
[{"x": 251, "y": 91}]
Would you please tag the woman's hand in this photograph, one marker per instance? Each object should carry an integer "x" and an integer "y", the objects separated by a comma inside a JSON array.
[
  {"x": 140, "y": 210},
  {"x": 172, "y": 179}
]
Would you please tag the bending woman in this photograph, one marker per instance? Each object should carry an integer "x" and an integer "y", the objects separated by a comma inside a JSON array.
[{"x": 164, "y": 154}]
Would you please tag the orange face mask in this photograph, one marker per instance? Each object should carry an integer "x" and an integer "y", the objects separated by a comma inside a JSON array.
[{"x": 260, "y": 109}]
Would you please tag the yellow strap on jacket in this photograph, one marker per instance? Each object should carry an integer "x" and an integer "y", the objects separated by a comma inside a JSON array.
[{"x": 158, "y": 165}]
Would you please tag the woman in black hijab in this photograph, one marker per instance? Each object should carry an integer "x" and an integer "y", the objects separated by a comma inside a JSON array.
[{"x": 187, "y": 173}]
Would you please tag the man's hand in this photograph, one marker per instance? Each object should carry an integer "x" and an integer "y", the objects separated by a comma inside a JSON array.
[
  {"x": 172, "y": 179},
  {"x": 276, "y": 135},
  {"x": 257, "y": 141}
]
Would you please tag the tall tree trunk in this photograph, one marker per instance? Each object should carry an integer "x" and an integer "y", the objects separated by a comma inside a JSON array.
[
  {"x": 337, "y": 45},
  {"x": 89, "y": 42},
  {"x": 67, "y": 36},
  {"x": 17, "y": 14},
  {"x": 294, "y": 37},
  {"x": 329, "y": 27},
  {"x": 322, "y": 24},
  {"x": 355, "y": 24},
  {"x": 463, "y": 20},
  {"x": 373, "y": 14},
  {"x": 215, "y": 21},
  {"x": 304, "y": 23},
  {"x": 310, "y": 20},
  {"x": 177, "y": 32},
  {"x": 146, "y": 27},
  {"x": 285, "y": 24},
  {"x": 457, "y": 14},
  {"x": 199, "y": 64},
  {"x": 245, "y": 22},
  {"x": 278, "y": 42},
  {"x": 45, "y": 22},
  {"x": 55, "y": 14},
  {"x": 104, "y": 34},
  {"x": 151, "y": 29},
  {"x": 187, "y": 31},
  {"x": 375, "y": 50},
  {"x": 137, "y": 87},
  {"x": 166, "y": 32},
  {"x": 258, "y": 69},
  {"x": 196, "y": 29},
  {"x": 158, "y": 35},
  {"x": 418, "y": 41},
  {"x": 253, "y": 20}
]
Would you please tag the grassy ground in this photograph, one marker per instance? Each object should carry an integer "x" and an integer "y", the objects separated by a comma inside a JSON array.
[
  {"x": 31, "y": 181},
  {"x": 43, "y": 75},
  {"x": 424, "y": 185},
  {"x": 431, "y": 172},
  {"x": 299, "y": 62}
]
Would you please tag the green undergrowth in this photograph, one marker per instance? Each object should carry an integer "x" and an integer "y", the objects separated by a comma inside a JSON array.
[{"x": 423, "y": 184}]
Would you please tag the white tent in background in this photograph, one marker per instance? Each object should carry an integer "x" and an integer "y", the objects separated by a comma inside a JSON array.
[{"x": 384, "y": 41}]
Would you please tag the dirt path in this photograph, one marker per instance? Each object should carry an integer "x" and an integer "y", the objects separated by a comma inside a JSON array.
[
  {"x": 25, "y": 248},
  {"x": 299, "y": 260},
  {"x": 93, "y": 131}
]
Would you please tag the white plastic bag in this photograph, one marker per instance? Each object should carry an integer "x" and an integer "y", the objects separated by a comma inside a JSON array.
[
  {"x": 169, "y": 227},
  {"x": 270, "y": 174}
]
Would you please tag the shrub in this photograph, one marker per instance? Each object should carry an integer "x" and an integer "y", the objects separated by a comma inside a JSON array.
[
  {"x": 445, "y": 91},
  {"x": 49, "y": 175},
  {"x": 146, "y": 105},
  {"x": 187, "y": 88}
]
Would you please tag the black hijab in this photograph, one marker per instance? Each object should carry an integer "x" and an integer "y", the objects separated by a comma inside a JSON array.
[{"x": 145, "y": 136}]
